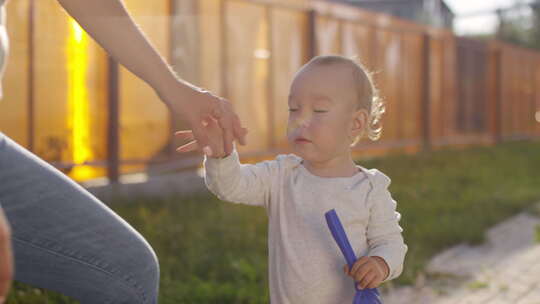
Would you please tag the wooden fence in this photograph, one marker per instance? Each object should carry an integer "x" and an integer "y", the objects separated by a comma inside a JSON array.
[{"x": 440, "y": 90}]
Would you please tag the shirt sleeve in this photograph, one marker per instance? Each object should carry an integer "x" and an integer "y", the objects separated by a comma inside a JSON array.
[
  {"x": 232, "y": 181},
  {"x": 383, "y": 231}
]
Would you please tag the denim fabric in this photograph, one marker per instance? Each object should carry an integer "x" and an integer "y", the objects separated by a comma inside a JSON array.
[{"x": 66, "y": 240}]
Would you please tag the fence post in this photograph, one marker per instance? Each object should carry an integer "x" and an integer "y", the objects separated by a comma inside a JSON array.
[
  {"x": 31, "y": 76},
  {"x": 496, "y": 93},
  {"x": 312, "y": 34},
  {"x": 270, "y": 81},
  {"x": 426, "y": 91},
  {"x": 113, "y": 146},
  {"x": 223, "y": 12}
]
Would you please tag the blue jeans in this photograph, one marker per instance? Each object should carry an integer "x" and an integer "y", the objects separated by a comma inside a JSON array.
[{"x": 66, "y": 240}]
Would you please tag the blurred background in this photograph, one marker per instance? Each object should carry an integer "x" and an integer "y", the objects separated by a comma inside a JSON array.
[
  {"x": 461, "y": 82},
  {"x": 71, "y": 105}
]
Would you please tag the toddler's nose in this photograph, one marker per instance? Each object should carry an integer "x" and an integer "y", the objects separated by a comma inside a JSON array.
[{"x": 303, "y": 121}]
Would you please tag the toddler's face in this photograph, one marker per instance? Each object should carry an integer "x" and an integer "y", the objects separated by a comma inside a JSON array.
[{"x": 322, "y": 103}]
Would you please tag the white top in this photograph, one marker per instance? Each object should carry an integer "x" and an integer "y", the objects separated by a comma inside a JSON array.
[{"x": 305, "y": 263}]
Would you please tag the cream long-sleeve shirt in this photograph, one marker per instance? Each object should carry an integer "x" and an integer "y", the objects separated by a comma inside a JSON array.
[{"x": 305, "y": 263}]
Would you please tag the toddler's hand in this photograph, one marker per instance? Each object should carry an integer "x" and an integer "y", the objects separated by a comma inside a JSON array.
[
  {"x": 369, "y": 272},
  {"x": 215, "y": 138},
  {"x": 194, "y": 106},
  {"x": 214, "y": 135}
]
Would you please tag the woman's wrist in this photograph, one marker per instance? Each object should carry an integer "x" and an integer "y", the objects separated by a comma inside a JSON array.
[
  {"x": 175, "y": 92},
  {"x": 164, "y": 82}
]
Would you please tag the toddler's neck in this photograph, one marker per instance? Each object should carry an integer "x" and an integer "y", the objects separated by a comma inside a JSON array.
[{"x": 336, "y": 167}]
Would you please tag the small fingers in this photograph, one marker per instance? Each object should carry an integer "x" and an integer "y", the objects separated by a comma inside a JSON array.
[
  {"x": 225, "y": 119},
  {"x": 239, "y": 132},
  {"x": 191, "y": 146},
  {"x": 367, "y": 280},
  {"x": 375, "y": 283},
  {"x": 201, "y": 135},
  {"x": 185, "y": 134},
  {"x": 362, "y": 272},
  {"x": 361, "y": 261},
  {"x": 216, "y": 137},
  {"x": 228, "y": 138}
]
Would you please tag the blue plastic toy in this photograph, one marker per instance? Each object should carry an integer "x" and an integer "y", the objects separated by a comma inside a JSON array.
[{"x": 362, "y": 296}]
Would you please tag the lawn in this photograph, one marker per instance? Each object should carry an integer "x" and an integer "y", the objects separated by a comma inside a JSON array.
[{"x": 215, "y": 252}]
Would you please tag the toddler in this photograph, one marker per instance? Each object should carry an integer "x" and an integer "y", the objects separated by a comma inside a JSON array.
[{"x": 332, "y": 104}]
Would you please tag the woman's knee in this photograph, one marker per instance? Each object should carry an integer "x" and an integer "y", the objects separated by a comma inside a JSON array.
[
  {"x": 124, "y": 275},
  {"x": 137, "y": 271},
  {"x": 150, "y": 274},
  {"x": 141, "y": 272},
  {"x": 145, "y": 271}
]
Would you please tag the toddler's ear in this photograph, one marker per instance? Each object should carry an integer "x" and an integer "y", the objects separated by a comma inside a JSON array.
[{"x": 360, "y": 118}]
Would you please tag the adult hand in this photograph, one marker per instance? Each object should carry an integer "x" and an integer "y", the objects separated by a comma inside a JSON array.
[
  {"x": 198, "y": 107},
  {"x": 6, "y": 257}
]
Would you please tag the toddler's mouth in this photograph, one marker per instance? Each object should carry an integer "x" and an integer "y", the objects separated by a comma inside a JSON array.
[{"x": 301, "y": 140}]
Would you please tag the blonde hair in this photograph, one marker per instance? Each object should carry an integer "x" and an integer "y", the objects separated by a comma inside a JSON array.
[{"x": 366, "y": 91}]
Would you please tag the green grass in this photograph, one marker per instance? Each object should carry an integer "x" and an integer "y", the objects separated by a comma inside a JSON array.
[
  {"x": 24, "y": 294},
  {"x": 476, "y": 285},
  {"x": 214, "y": 252}
]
